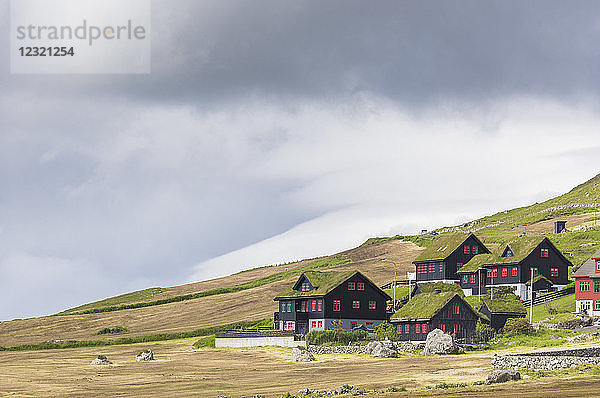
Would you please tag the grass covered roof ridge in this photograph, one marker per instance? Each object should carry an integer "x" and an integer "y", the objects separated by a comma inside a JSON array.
[
  {"x": 424, "y": 305},
  {"x": 322, "y": 281},
  {"x": 443, "y": 246}
]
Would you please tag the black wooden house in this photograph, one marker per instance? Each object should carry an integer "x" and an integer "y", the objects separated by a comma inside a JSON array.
[
  {"x": 512, "y": 265},
  {"x": 446, "y": 255},
  {"x": 444, "y": 310},
  {"x": 499, "y": 308},
  {"x": 331, "y": 300}
]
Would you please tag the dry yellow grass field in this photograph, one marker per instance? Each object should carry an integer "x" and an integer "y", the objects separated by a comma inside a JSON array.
[
  {"x": 181, "y": 371},
  {"x": 252, "y": 304}
]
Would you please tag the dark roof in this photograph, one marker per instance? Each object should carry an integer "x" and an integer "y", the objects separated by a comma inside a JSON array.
[
  {"x": 324, "y": 282},
  {"x": 443, "y": 246},
  {"x": 521, "y": 248},
  {"x": 589, "y": 267}
]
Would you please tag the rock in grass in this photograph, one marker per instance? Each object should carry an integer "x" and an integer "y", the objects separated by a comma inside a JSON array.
[
  {"x": 299, "y": 355},
  {"x": 439, "y": 343},
  {"x": 502, "y": 376},
  {"x": 100, "y": 360},
  {"x": 147, "y": 355}
]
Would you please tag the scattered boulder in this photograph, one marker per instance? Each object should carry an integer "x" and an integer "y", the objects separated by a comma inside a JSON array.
[
  {"x": 502, "y": 376},
  {"x": 299, "y": 355},
  {"x": 382, "y": 349},
  {"x": 348, "y": 389},
  {"x": 147, "y": 355},
  {"x": 100, "y": 360},
  {"x": 440, "y": 343}
]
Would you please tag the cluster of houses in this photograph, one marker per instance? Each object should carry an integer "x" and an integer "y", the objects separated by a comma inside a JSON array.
[{"x": 456, "y": 277}]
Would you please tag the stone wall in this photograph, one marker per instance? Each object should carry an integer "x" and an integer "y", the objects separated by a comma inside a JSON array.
[
  {"x": 359, "y": 349},
  {"x": 549, "y": 360}
]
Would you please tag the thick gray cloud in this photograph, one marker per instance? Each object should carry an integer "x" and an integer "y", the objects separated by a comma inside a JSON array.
[{"x": 271, "y": 130}]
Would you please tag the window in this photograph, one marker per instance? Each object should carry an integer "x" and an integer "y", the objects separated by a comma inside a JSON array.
[
  {"x": 313, "y": 306},
  {"x": 465, "y": 278},
  {"x": 597, "y": 265},
  {"x": 489, "y": 273},
  {"x": 314, "y": 324},
  {"x": 399, "y": 329},
  {"x": 596, "y": 286},
  {"x": 369, "y": 324},
  {"x": 424, "y": 328},
  {"x": 474, "y": 250},
  {"x": 509, "y": 253},
  {"x": 290, "y": 325},
  {"x": 418, "y": 328},
  {"x": 431, "y": 267},
  {"x": 441, "y": 266},
  {"x": 305, "y": 287},
  {"x": 442, "y": 327},
  {"x": 353, "y": 324},
  {"x": 473, "y": 278},
  {"x": 535, "y": 271},
  {"x": 289, "y": 306},
  {"x": 407, "y": 328},
  {"x": 504, "y": 272},
  {"x": 336, "y": 305},
  {"x": 544, "y": 253},
  {"x": 514, "y": 271},
  {"x": 455, "y": 309},
  {"x": 372, "y": 305},
  {"x": 553, "y": 271},
  {"x": 320, "y": 305},
  {"x": 459, "y": 266},
  {"x": 495, "y": 273},
  {"x": 584, "y": 286},
  {"x": 422, "y": 268},
  {"x": 303, "y": 306},
  {"x": 360, "y": 286},
  {"x": 457, "y": 328},
  {"x": 351, "y": 286},
  {"x": 320, "y": 324},
  {"x": 467, "y": 249},
  {"x": 355, "y": 304}
]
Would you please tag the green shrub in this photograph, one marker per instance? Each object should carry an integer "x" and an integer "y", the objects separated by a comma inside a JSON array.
[
  {"x": 483, "y": 331},
  {"x": 320, "y": 337},
  {"x": 102, "y": 357},
  {"x": 116, "y": 329},
  {"x": 206, "y": 342},
  {"x": 386, "y": 331},
  {"x": 517, "y": 325},
  {"x": 550, "y": 308}
]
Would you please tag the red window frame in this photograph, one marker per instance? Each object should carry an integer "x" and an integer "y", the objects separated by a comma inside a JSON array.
[
  {"x": 459, "y": 266},
  {"x": 509, "y": 253},
  {"x": 353, "y": 324},
  {"x": 544, "y": 253},
  {"x": 424, "y": 328},
  {"x": 474, "y": 250},
  {"x": 313, "y": 305},
  {"x": 456, "y": 309},
  {"x": 314, "y": 324},
  {"x": 467, "y": 249},
  {"x": 465, "y": 279},
  {"x": 351, "y": 286},
  {"x": 422, "y": 268},
  {"x": 504, "y": 272},
  {"x": 418, "y": 328},
  {"x": 456, "y": 328},
  {"x": 489, "y": 273},
  {"x": 399, "y": 329},
  {"x": 372, "y": 305},
  {"x": 514, "y": 271},
  {"x": 305, "y": 287},
  {"x": 355, "y": 304},
  {"x": 554, "y": 271},
  {"x": 337, "y": 304},
  {"x": 441, "y": 266},
  {"x": 431, "y": 267},
  {"x": 360, "y": 286},
  {"x": 289, "y": 306},
  {"x": 407, "y": 328},
  {"x": 442, "y": 327},
  {"x": 303, "y": 306},
  {"x": 473, "y": 278},
  {"x": 495, "y": 273},
  {"x": 320, "y": 305}
]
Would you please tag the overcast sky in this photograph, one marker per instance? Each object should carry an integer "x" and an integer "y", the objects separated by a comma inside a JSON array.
[{"x": 271, "y": 131}]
